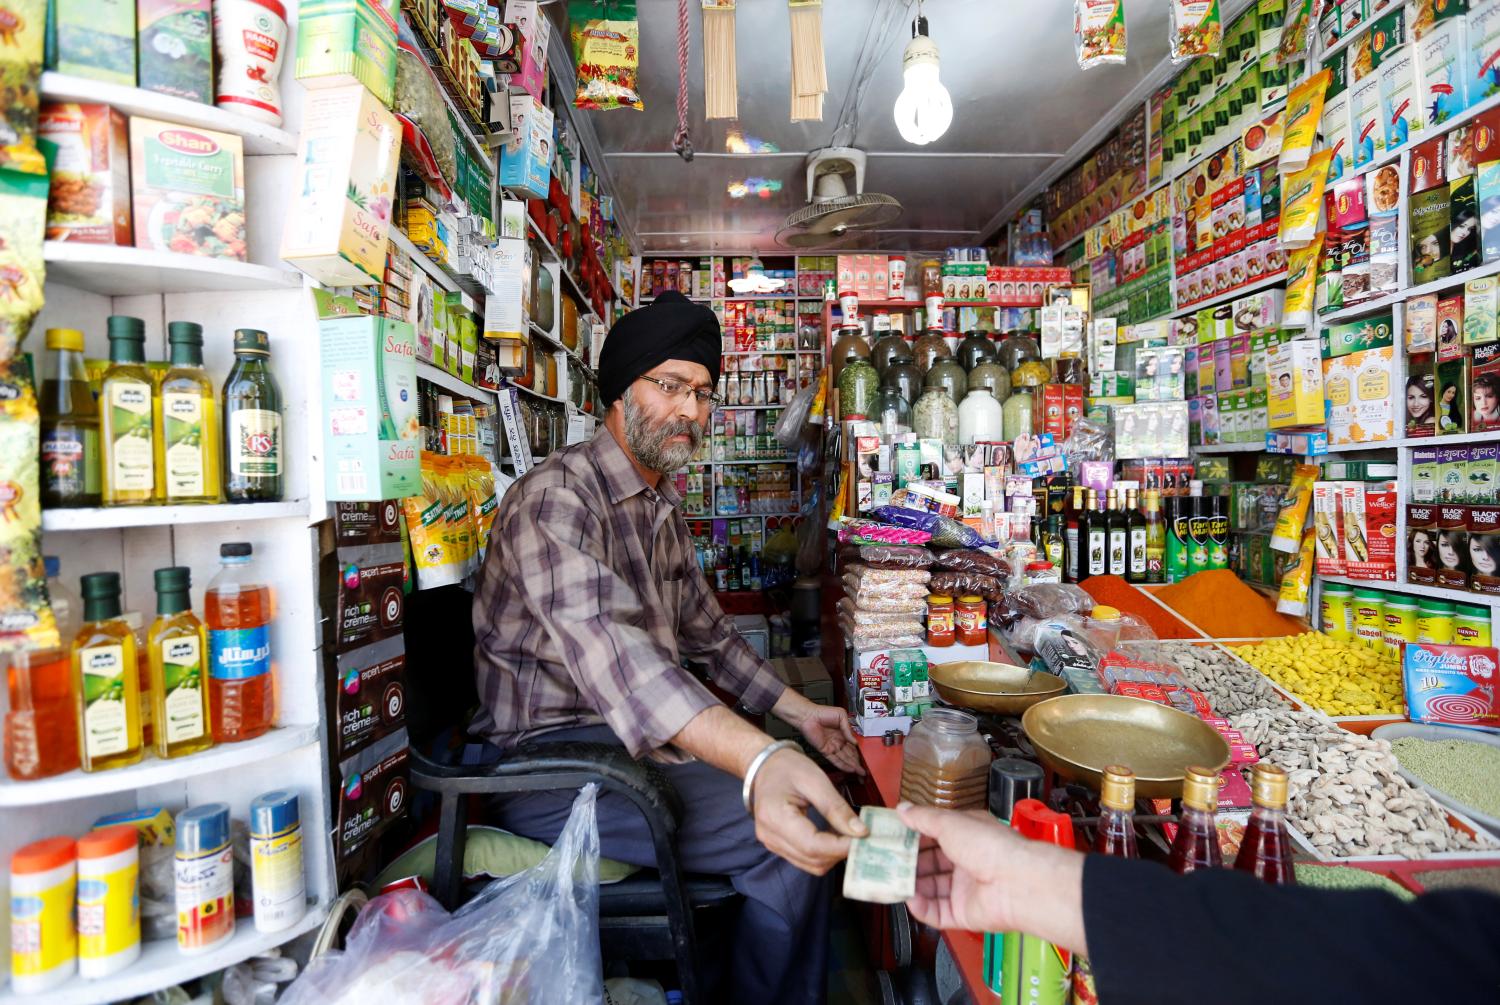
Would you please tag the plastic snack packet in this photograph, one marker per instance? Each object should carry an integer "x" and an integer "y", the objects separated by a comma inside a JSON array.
[
  {"x": 607, "y": 52},
  {"x": 1297, "y": 582},
  {"x": 1194, "y": 29},
  {"x": 1296, "y": 32},
  {"x": 1302, "y": 201},
  {"x": 1288, "y": 533},
  {"x": 1301, "y": 282},
  {"x": 1304, "y": 111},
  {"x": 1098, "y": 32}
]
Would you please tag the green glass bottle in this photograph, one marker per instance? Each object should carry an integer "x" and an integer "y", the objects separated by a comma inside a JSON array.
[{"x": 254, "y": 469}]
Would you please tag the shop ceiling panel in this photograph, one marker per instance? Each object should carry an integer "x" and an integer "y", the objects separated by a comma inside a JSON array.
[{"x": 1008, "y": 64}]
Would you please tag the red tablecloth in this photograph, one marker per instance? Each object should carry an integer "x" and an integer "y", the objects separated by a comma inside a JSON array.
[{"x": 884, "y": 765}]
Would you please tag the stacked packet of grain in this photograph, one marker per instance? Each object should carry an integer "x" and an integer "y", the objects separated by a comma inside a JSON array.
[{"x": 882, "y": 615}]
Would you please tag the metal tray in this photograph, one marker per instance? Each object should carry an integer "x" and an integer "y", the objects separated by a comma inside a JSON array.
[
  {"x": 993, "y": 687},
  {"x": 1424, "y": 731}
]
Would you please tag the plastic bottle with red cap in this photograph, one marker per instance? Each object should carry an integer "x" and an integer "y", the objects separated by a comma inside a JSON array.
[{"x": 1034, "y": 971}]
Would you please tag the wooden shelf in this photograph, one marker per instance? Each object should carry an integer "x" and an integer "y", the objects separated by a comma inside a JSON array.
[
  {"x": 162, "y": 964},
  {"x": 153, "y": 771},
  {"x": 115, "y": 517},
  {"x": 125, "y": 271},
  {"x": 259, "y": 137}
]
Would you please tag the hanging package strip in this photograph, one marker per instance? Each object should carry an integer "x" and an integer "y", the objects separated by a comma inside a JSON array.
[
  {"x": 23, "y": 172},
  {"x": 1099, "y": 32},
  {"x": 809, "y": 74},
  {"x": 720, "y": 73},
  {"x": 1296, "y": 32},
  {"x": 607, "y": 52},
  {"x": 1195, "y": 29}
]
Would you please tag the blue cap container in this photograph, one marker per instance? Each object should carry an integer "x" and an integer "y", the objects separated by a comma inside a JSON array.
[
  {"x": 275, "y": 812},
  {"x": 202, "y": 830}
]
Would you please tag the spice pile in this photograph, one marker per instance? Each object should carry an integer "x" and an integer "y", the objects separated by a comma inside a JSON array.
[
  {"x": 1114, "y": 591},
  {"x": 1333, "y": 676},
  {"x": 1464, "y": 769},
  {"x": 1225, "y": 608},
  {"x": 1347, "y": 796}
]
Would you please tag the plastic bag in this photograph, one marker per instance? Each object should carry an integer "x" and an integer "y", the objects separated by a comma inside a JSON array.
[
  {"x": 978, "y": 562},
  {"x": 868, "y": 575},
  {"x": 885, "y": 591},
  {"x": 1195, "y": 29},
  {"x": 1089, "y": 441},
  {"x": 883, "y": 636},
  {"x": 945, "y": 532},
  {"x": 873, "y": 532},
  {"x": 1098, "y": 32},
  {"x": 889, "y": 605},
  {"x": 852, "y": 614},
  {"x": 888, "y": 557},
  {"x": 1046, "y": 600},
  {"x": 959, "y": 583},
  {"x": 531, "y": 937},
  {"x": 607, "y": 52},
  {"x": 789, "y": 428},
  {"x": 1296, "y": 32}
]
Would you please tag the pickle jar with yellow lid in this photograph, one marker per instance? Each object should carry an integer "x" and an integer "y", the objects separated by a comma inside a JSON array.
[
  {"x": 1400, "y": 624},
  {"x": 1369, "y": 617},
  {"x": 1336, "y": 611}
]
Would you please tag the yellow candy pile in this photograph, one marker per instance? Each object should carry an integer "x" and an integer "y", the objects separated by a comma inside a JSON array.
[{"x": 1339, "y": 678}]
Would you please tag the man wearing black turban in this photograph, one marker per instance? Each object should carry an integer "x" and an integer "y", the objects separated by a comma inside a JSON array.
[{"x": 589, "y": 601}]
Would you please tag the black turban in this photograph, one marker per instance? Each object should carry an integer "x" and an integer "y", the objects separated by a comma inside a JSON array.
[{"x": 672, "y": 327}]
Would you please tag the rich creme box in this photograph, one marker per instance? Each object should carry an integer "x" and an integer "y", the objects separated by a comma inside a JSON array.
[{"x": 339, "y": 223}]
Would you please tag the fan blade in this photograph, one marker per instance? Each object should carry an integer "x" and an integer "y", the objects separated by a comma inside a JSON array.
[{"x": 794, "y": 238}]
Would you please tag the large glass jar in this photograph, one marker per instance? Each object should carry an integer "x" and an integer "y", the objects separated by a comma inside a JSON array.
[
  {"x": 858, "y": 385},
  {"x": 1016, "y": 349},
  {"x": 1016, "y": 414},
  {"x": 892, "y": 411},
  {"x": 543, "y": 312},
  {"x": 948, "y": 375},
  {"x": 1069, "y": 369},
  {"x": 935, "y": 417},
  {"x": 932, "y": 278},
  {"x": 851, "y": 344},
  {"x": 930, "y": 347},
  {"x": 809, "y": 335},
  {"x": 888, "y": 349},
  {"x": 946, "y": 762},
  {"x": 976, "y": 348},
  {"x": 904, "y": 375},
  {"x": 993, "y": 377},
  {"x": 979, "y": 418}
]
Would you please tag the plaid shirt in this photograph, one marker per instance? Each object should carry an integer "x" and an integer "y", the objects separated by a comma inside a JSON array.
[{"x": 589, "y": 599}]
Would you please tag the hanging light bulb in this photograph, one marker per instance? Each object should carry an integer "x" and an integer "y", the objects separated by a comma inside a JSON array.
[{"x": 923, "y": 111}]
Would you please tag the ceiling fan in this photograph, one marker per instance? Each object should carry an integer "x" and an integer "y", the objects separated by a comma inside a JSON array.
[{"x": 833, "y": 216}]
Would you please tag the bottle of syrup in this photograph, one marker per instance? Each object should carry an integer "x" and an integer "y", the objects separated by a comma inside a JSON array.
[
  {"x": 1197, "y": 843},
  {"x": 1266, "y": 850}
]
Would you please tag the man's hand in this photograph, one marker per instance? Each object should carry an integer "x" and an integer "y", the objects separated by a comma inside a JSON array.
[
  {"x": 787, "y": 784},
  {"x": 825, "y": 727},
  {"x": 978, "y": 874},
  {"x": 828, "y": 730}
]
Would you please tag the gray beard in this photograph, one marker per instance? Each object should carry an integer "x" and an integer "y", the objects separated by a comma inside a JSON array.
[{"x": 648, "y": 442}]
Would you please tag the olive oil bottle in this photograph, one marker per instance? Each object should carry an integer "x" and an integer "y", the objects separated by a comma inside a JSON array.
[
  {"x": 178, "y": 647},
  {"x": 106, "y": 679},
  {"x": 70, "y": 425},
  {"x": 187, "y": 428},
  {"x": 127, "y": 424},
  {"x": 254, "y": 459}
]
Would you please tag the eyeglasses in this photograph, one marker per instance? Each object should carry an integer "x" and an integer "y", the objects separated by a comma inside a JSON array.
[{"x": 678, "y": 390}]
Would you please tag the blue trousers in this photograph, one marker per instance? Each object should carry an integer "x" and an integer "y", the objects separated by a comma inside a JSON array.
[{"x": 780, "y": 947}]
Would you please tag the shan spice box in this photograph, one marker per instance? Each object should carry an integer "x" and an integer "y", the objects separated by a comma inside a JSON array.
[{"x": 188, "y": 189}]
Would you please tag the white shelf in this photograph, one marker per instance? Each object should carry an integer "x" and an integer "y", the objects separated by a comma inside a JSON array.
[
  {"x": 741, "y": 464},
  {"x": 768, "y": 352},
  {"x": 1457, "y": 279},
  {"x": 1360, "y": 310},
  {"x": 162, "y": 964},
  {"x": 1453, "y": 440},
  {"x": 1348, "y": 448},
  {"x": 537, "y": 394},
  {"x": 749, "y": 408},
  {"x": 1230, "y": 295},
  {"x": 440, "y": 274},
  {"x": 1230, "y": 448},
  {"x": 153, "y": 771},
  {"x": 442, "y": 378},
  {"x": 124, "y": 271},
  {"x": 1440, "y": 592},
  {"x": 111, "y": 517},
  {"x": 259, "y": 137}
]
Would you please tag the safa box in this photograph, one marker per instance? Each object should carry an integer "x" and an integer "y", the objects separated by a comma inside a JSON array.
[
  {"x": 1452, "y": 685},
  {"x": 371, "y": 434}
]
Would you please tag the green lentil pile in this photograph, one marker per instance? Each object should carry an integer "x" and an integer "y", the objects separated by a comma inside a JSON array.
[
  {"x": 1338, "y": 877},
  {"x": 1463, "y": 769},
  {"x": 1469, "y": 879}
]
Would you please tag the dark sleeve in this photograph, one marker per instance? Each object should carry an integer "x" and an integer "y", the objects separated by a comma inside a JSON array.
[{"x": 1226, "y": 935}]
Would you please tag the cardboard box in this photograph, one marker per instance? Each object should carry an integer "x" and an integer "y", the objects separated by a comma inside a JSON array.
[
  {"x": 1465, "y": 238},
  {"x": 1367, "y": 133},
  {"x": 338, "y": 226},
  {"x": 1453, "y": 396},
  {"x": 1373, "y": 332},
  {"x": 1359, "y": 389},
  {"x": 1421, "y": 544},
  {"x": 343, "y": 42},
  {"x": 1483, "y": 45},
  {"x": 1328, "y": 529},
  {"x": 1484, "y": 474},
  {"x": 1452, "y": 685},
  {"x": 187, "y": 189},
  {"x": 175, "y": 48},
  {"x": 1419, "y": 408},
  {"x": 371, "y": 436},
  {"x": 1452, "y": 473},
  {"x": 1442, "y": 65},
  {"x": 1453, "y": 546},
  {"x": 89, "y": 200},
  {"x": 94, "y": 39},
  {"x": 1294, "y": 385},
  {"x": 1424, "y": 475},
  {"x": 1421, "y": 322},
  {"x": 1481, "y": 302},
  {"x": 1430, "y": 237},
  {"x": 1487, "y": 191},
  {"x": 526, "y": 157},
  {"x": 1484, "y": 385},
  {"x": 1450, "y": 327}
]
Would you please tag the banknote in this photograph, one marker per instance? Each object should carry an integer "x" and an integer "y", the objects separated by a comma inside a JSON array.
[{"x": 882, "y": 868}]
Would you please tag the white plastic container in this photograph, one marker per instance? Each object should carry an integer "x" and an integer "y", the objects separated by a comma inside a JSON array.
[
  {"x": 979, "y": 418},
  {"x": 109, "y": 913},
  {"x": 250, "y": 44},
  {"x": 43, "y": 941}
]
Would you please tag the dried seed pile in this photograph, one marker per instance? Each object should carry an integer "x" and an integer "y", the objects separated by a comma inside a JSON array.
[{"x": 1230, "y": 685}]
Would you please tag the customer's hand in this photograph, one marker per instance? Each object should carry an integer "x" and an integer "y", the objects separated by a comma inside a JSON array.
[
  {"x": 787, "y": 785},
  {"x": 828, "y": 730},
  {"x": 978, "y": 874}
]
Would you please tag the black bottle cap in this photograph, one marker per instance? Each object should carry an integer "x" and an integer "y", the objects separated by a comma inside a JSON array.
[
  {"x": 1011, "y": 780},
  {"x": 184, "y": 333},
  {"x": 234, "y": 549}
]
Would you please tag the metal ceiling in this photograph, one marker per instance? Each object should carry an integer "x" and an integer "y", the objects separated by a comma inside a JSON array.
[{"x": 1019, "y": 99}]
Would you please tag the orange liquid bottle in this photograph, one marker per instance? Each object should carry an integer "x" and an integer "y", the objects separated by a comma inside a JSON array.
[{"x": 241, "y": 685}]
